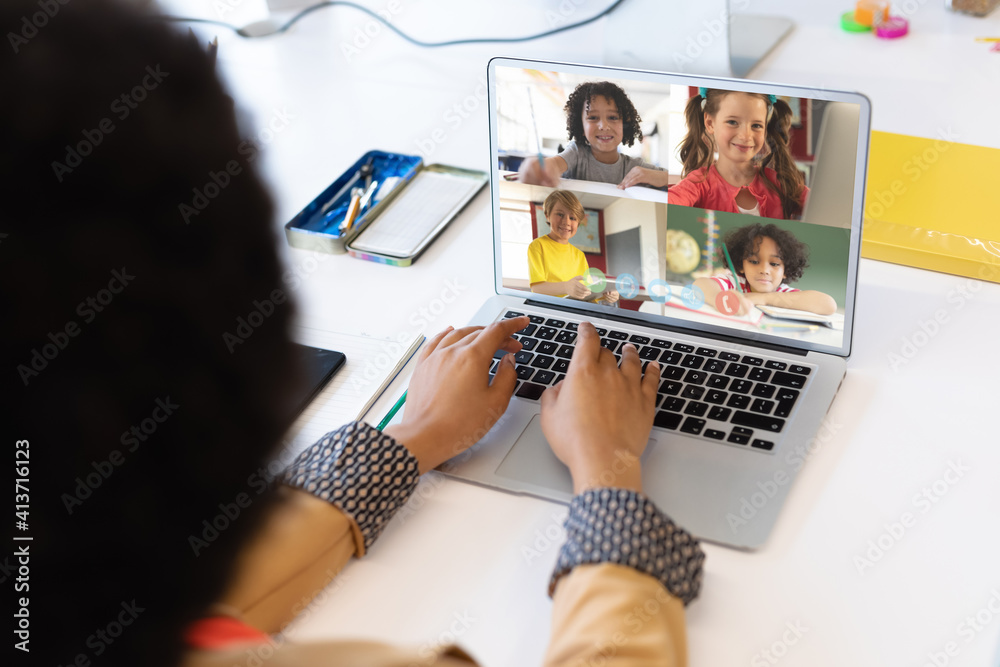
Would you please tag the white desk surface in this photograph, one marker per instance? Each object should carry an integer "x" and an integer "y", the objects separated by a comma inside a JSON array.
[{"x": 456, "y": 569}]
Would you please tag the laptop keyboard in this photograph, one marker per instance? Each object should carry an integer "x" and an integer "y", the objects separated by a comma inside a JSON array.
[{"x": 717, "y": 394}]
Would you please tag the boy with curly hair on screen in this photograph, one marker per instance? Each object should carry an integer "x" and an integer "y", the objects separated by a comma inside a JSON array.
[
  {"x": 599, "y": 118},
  {"x": 766, "y": 259}
]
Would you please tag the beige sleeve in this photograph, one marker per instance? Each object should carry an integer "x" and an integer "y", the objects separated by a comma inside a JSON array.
[
  {"x": 615, "y": 616},
  {"x": 301, "y": 547}
]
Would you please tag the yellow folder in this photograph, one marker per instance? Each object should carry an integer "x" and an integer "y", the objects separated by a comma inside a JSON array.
[{"x": 932, "y": 204}]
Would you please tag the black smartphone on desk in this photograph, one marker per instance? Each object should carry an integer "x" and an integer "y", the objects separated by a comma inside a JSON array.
[{"x": 318, "y": 367}]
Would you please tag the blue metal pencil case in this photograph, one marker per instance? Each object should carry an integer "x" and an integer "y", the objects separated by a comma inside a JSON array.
[{"x": 368, "y": 186}]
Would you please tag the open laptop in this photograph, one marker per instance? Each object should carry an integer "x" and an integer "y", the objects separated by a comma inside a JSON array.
[{"x": 741, "y": 397}]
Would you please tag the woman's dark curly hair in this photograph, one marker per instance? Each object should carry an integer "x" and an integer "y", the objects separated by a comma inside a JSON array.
[
  {"x": 743, "y": 243},
  {"x": 579, "y": 100},
  {"x": 115, "y": 313}
]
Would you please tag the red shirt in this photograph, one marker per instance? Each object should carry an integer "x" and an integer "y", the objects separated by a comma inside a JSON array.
[
  {"x": 222, "y": 632},
  {"x": 715, "y": 193},
  {"x": 725, "y": 282}
]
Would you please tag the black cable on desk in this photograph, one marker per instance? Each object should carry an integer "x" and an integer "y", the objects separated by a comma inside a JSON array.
[{"x": 333, "y": 3}]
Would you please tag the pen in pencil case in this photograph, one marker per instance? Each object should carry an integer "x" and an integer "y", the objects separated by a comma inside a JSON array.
[{"x": 359, "y": 195}]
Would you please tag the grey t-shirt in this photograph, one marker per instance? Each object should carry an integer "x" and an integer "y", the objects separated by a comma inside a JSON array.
[{"x": 582, "y": 165}]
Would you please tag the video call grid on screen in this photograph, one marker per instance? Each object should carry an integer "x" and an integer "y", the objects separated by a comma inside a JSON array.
[{"x": 653, "y": 252}]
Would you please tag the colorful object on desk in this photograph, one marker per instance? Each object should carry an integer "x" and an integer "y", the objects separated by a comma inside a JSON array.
[
  {"x": 871, "y": 13},
  {"x": 996, "y": 48},
  {"x": 873, "y": 16},
  {"x": 848, "y": 23},
  {"x": 988, "y": 39},
  {"x": 392, "y": 411},
  {"x": 893, "y": 28},
  {"x": 729, "y": 261}
]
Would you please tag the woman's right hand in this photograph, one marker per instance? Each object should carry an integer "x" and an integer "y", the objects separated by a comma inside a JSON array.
[{"x": 597, "y": 420}]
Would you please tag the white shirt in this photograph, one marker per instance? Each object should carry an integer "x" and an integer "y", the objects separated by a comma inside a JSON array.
[{"x": 750, "y": 211}]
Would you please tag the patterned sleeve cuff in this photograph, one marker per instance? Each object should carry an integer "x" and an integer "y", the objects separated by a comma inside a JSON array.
[
  {"x": 365, "y": 473},
  {"x": 625, "y": 527}
]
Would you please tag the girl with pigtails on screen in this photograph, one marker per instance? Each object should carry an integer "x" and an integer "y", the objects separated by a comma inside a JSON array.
[{"x": 736, "y": 156}]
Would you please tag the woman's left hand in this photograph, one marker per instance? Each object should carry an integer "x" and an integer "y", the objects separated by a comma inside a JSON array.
[{"x": 450, "y": 403}]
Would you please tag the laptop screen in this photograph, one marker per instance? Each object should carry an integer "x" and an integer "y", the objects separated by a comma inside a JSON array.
[{"x": 726, "y": 206}]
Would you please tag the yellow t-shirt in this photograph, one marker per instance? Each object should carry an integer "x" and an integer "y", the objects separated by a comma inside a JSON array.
[{"x": 553, "y": 262}]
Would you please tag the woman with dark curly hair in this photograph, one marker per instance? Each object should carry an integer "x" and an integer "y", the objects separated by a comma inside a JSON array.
[
  {"x": 164, "y": 529},
  {"x": 766, "y": 258},
  {"x": 599, "y": 117}
]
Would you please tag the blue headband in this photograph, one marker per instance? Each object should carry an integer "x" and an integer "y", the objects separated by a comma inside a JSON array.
[{"x": 771, "y": 99}]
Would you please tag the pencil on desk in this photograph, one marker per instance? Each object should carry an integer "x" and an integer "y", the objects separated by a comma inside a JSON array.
[{"x": 392, "y": 412}]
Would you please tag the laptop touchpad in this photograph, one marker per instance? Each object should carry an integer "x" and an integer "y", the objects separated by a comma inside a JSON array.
[{"x": 531, "y": 460}]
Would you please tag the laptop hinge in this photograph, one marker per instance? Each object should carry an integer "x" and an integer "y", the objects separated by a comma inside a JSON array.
[{"x": 667, "y": 327}]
